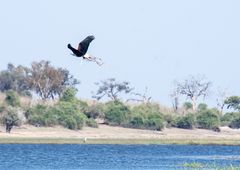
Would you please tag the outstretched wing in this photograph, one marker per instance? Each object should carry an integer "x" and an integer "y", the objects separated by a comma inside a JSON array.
[{"x": 83, "y": 45}]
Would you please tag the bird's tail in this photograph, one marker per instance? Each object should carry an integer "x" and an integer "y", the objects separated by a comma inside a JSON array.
[{"x": 94, "y": 59}]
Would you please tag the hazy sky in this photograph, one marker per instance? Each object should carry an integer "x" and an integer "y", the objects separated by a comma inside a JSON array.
[{"x": 146, "y": 42}]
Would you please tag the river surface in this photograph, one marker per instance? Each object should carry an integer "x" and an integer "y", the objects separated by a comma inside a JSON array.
[{"x": 74, "y": 156}]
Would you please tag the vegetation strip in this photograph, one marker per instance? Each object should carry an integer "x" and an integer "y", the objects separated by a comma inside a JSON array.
[{"x": 21, "y": 140}]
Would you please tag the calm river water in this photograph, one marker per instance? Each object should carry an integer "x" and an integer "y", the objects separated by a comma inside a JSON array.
[{"x": 67, "y": 156}]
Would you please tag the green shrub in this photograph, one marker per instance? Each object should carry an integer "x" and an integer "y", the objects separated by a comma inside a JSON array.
[
  {"x": 69, "y": 95},
  {"x": 235, "y": 123},
  {"x": 35, "y": 114},
  {"x": 63, "y": 113},
  {"x": 137, "y": 122},
  {"x": 185, "y": 122},
  {"x": 70, "y": 123},
  {"x": 12, "y": 98},
  {"x": 11, "y": 115},
  {"x": 227, "y": 118},
  {"x": 155, "y": 121},
  {"x": 202, "y": 107},
  {"x": 37, "y": 119},
  {"x": 147, "y": 116},
  {"x": 95, "y": 111},
  {"x": 80, "y": 119},
  {"x": 187, "y": 105},
  {"x": 116, "y": 113},
  {"x": 91, "y": 123},
  {"x": 208, "y": 119},
  {"x": 169, "y": 119}
]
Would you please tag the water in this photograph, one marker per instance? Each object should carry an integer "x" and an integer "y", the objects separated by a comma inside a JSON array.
[{"x": 67, "y": 156}]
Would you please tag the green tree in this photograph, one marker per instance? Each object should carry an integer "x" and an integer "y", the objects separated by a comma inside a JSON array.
[
  {"x": 15, "y": 78},
  {"x": 12, "y": 98},
  {"x": 69, "y": 95},
  {"x": 233, "y": 102},
  {"x": 202, "y": 107}
]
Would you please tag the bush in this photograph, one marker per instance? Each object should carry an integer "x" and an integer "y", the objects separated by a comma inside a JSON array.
[
  {"x": 227, "y": 118},
  {"x": 187, "y": 105},
  {"x": 95, "y": 111},
  {"x": 235, "y": 123},
  {"x": 69, "y": 95},
  {"x": 202, "y": 107},
  {"x": 12, "y": 98},
  {"x": 91, "y": 123},
  {"x": 185, "y": 122},
  {"x": 155, "y": 122},
  {"x": 137, "y": 122},
  {"x": 80, "y": 119},
  {"x": 169, "y": 119},
  {"x": 11, "y": 115},
  {"x": 35, "y": 114},
  {"x": 146, "y": 116},
  {"x": 63, "y": 113},
  {"x": 70, "y": 123},
  {"x": 208, "y": 119},
  {"x": 116, "y": 113}
]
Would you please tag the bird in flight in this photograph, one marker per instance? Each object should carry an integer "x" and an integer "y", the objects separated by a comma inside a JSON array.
[{"x": 83, "y": 48}]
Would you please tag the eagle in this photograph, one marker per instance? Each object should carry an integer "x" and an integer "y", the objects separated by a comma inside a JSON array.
[{"x": 82, "y": 49}]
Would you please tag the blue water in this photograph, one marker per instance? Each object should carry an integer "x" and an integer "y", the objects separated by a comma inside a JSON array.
[{"x": 66, "y": 156}]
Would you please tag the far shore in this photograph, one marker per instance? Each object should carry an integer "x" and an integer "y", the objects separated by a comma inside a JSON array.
[{"x": 118, "y": 135}]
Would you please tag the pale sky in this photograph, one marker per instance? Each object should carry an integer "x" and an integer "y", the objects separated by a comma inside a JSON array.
[{"x": 146, "y": 42}]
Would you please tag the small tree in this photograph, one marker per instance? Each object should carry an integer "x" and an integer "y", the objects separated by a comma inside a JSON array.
[
  {"x": 12, "y": 98},
  {"x": 193, "y": 88},
  {"x": 202, "y": 107},
  {"x": 111, "y": 88},
  {"x": 69, "y": 95},
  {"x": 10, "y": 119}
]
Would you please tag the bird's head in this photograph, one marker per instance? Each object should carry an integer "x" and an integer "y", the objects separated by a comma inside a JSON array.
[
  {"x": 69, "y": 46},
  {"x": 91, "y": 37}
]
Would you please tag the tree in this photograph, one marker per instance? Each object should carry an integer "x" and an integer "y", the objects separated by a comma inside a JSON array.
[
  {"x": 233, "y": 102},
  {"x": 143, "y": 98},
  {"x": 111, "y": 88},
  {"x": 222, "y": 96},
  {"x": 12, "y": 98},
  {"x": 15, "y": 78},
  {"x": 48, "y": 81},
  {"x": 69, "y": 95},
  {"x": 175, "y": 98},
  {"x": 193, "y": 88}
]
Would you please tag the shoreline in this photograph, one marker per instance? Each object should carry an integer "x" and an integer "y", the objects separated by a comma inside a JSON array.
[{"x": 105, "y": 134}]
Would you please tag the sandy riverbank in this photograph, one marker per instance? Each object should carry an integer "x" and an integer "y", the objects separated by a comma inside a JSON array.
[{"x": 109, "y": 134}]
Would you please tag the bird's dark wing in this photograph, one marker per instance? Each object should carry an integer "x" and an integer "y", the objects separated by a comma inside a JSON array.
[{"x": 84, "y": 44}]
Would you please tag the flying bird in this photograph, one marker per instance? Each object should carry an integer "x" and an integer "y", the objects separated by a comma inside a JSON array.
[{"x": 82, "y": 49}]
